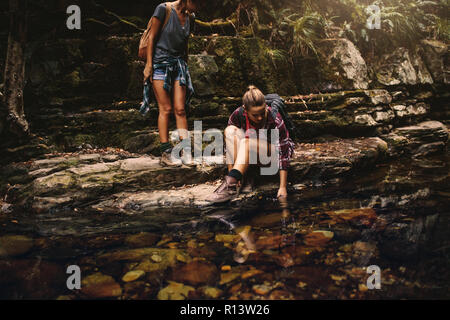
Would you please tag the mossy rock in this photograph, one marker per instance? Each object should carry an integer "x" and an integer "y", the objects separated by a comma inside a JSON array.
[
  {"x": 243, "y": 61},
  {"x": 337, "y": 66},
  {"x": 72, "y": 80}
]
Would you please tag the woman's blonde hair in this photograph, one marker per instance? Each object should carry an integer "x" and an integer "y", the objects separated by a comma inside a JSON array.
[{"x": 253, "y": 97}]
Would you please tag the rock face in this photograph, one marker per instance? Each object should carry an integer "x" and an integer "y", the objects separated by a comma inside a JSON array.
[
  {"x": 204, "y": 72},
  {"x": 59, "y": 187},
  {"x": 436, "y": 57},
  {"x": 336, "y": 158},
  {"x": 242, "y": 61},
  {"x": 219, "y": 65},
  {"x": 347, "y": 65},
  {"x": 402, "y": 67},
  {"x": 419, "y": 140},
  {"x": 81, "y": 78},
  {"x": 88, "y": 181},
  {"x": 340, "y": 67},
  {"x": 113, "y": 179},
  {"x": 134, "y": 88},
  {"x": 114, "y": 183},
  {"x": 403, "y": 241}
]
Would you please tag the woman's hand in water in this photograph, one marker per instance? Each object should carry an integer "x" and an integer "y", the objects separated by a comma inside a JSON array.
[
  {"x": 282, "y": 192},
  {"x": 148, "y": 73}
]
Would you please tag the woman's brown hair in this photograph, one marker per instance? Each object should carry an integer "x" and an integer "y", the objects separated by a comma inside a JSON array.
[{"x": 253, "y": 97}]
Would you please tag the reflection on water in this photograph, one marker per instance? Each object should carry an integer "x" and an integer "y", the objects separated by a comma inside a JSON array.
[{"x": 317, "y": 245}]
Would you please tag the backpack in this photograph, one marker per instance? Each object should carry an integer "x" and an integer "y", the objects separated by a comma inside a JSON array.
[
  {"x": 143, "y": 43},
  {"x": 277, "y": 105}
]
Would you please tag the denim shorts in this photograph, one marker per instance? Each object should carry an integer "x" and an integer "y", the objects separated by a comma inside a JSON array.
[{"x": 159, "y": 73}]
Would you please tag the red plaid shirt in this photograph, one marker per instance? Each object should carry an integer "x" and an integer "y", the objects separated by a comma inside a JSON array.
[{"x": 285, "y": 144}]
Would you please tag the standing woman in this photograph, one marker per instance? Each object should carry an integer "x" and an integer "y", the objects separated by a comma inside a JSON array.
[{"x": 166, "y": 68}]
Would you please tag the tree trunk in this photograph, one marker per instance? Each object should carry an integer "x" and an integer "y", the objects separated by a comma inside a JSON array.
[{"x": 14, "y": 76}]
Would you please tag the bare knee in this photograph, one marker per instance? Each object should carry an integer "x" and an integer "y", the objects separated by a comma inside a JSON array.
[
  {"x": 180, "y": 111},
  {"x": 165, "y": 109},
  {"x": 231, "y": 131}
]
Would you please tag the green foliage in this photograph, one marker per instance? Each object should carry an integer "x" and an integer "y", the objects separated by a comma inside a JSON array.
[
  {"x": 400, "y": 28},
  {"x": 281, "y": 25},
  {"x": 441, "y": 29},
  {"x": 307, "y": 30},
  {"x": 276, "y": 55},
  {"x": 295, "y": 26}
]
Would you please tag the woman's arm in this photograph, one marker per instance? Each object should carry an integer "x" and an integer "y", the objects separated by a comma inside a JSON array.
[
  {"x": 154, "y": 31},
  {"x": 285, "y": 146},
  {"x": 187, "y": 51},
  {"x": 282, "y": 191}
]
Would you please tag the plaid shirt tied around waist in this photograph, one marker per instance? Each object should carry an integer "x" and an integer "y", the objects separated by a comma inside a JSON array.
[{"x": 173, "y": 67}]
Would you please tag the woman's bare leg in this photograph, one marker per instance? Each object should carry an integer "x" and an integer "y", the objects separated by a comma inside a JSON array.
[
  {"x": 165, "y": 109},
  {"x": 179, "y": 102},
  {"x": 250, "y": 152},
  {"x": 233, "y": 137}
]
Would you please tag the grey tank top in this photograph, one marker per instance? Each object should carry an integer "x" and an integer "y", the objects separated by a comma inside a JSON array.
[{"x": 173, "y": 37}]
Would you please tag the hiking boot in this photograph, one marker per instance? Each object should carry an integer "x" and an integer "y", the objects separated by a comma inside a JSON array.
[
  {"x": 248, "y": 185},
  {"x": 166, "y": 159},
  {"x": 188, "y": 162},
  {"x": 225, "y": 192}
]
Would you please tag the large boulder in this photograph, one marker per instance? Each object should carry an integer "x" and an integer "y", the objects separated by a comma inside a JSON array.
[
  {"x": 340, "y": 67},
  {"x": 204, "y": 70},
  {"x": 436, "y": 57},
  {"x": 135, "y": 87},
  {"x": 405, "y": 241},
  {"x": 419, "y": 140},
  {"x": 401, "y": 67}
]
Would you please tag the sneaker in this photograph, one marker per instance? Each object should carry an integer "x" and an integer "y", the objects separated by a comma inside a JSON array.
[
  {"x": 225, "y": 192},
  {"x": 166, "y": 159}
]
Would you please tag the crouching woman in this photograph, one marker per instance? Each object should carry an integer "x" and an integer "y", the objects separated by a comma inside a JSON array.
[{"x": 248, "y": 143}]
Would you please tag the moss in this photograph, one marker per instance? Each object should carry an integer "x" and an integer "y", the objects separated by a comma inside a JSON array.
[
  {"x": 73, "y": 162},
  {"x": 243, "y": 61},
  {"x": 197, "y": 45},
  {"x": 80, "y": 139},
  {"x": 68, "y": 164},
  {"x": 139, "y": 21},
  {"x": 72, "y": 79},
  {"x": 338, "y": 121},
  {"x": 206, "y": 109}
]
